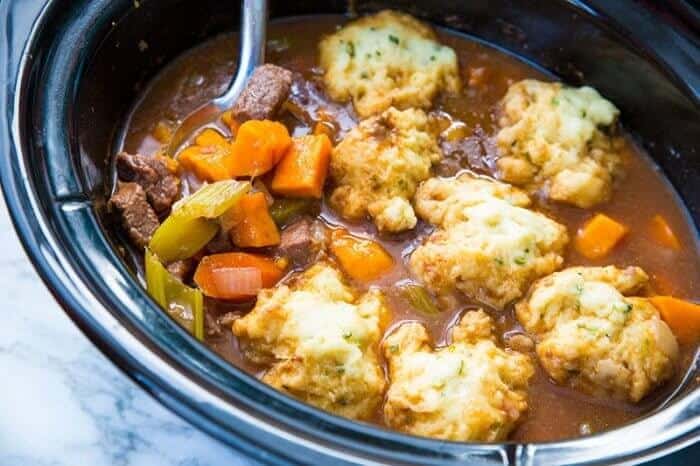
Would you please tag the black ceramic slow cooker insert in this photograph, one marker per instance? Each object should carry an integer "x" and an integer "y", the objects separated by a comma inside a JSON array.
[{"x": 73, "y": 74}]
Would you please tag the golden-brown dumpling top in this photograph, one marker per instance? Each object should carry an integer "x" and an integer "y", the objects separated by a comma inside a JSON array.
[
  {"x": 471, "y": 390},
  {"x": 488, "y": 244},
  {"x": 387, "y": 59},
  {"x": 321, "y": 338},
  {"x": 591, "y": 335},
  {"x": 554, "y": 138},
  {"x": 377, "y": 167}
]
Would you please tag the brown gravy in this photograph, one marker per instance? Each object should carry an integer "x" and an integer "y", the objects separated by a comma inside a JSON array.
[{"x": 555, "y": 412}]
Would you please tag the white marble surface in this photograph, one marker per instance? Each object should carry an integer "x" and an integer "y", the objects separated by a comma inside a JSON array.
[{"x": 62, "y": 403}]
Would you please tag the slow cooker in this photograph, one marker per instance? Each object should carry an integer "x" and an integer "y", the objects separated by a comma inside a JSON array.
[{"x": 71, "y": 69}]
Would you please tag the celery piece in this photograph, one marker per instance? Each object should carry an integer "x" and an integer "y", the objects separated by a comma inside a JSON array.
[
  {"x": 419, "y": 298},
  {"x": 184, "y": 304},
  {"x": 181, "y": 237},
  {"x": 193, "y": 220},
  {"x": 212, "y": 200},
  {"x": 283, "y": 211}
]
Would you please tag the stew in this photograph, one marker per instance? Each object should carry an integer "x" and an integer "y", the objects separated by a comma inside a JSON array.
[{"x": 414, "y": 229}]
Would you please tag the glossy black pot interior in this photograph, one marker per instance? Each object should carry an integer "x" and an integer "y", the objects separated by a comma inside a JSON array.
[{"x": 84, "y": 68}]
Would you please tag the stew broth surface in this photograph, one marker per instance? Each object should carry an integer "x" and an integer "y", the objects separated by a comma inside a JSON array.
[{"x": 555, "y": 412}]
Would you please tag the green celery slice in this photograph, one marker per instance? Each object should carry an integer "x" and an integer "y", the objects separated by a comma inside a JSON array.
[
  {"x": 184, "y": 304},
  {"x": 193, "y": 220},
  {"x": 212, "y": 200},
  {"x": 284, "y": 210},
  {"x": 419, "y": 298},
  {"x": 181, "y": 237}
]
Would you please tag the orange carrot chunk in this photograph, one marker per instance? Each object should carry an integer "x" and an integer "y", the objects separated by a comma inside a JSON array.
[
  {"x": 362, "y": 259},
  {"x": 302, "y": 171},
  {"x": 207, "y": 156},
  {"x": 662, "y": 233},
  {"x": 258, "y": 147},
  {"x": 211, "y": 137},
  {"x": 682, "y": 316},
  {"x": 251, "y": 224},
  {"x": 236, "y": 276},
  {"x": 599, "y": 236}
]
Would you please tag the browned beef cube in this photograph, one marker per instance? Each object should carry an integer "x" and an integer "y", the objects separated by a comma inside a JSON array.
[
  {"x": 267, "y": 88},
  {"x": 138, "y": 217},
  {"x": 220, "y": 243},
  {"x": 161, "y": 186},
  {"x": 301, "y": 242}
]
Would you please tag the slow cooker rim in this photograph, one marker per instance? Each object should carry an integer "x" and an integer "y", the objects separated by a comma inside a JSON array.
[{"x": 64, "y": 279}]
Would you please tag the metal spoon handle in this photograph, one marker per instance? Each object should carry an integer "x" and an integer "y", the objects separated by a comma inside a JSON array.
[
  {"x": 252, "y": 45},
  {"x": 251, "y": 54}
]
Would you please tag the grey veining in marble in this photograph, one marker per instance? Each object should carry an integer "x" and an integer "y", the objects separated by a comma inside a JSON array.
[{"x": 62, "y": 403}]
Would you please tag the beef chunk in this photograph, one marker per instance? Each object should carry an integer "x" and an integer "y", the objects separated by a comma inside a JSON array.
[
  {"x": 138, "y": 217},
  {"x": 220, "y": 243},
  {"x": 182, "y": 269},
  {"x": 477, "y": 152},
  {"x": 301, "y": 242},
  {"x": 162, "y": 187},
  {"x": 267, "y": 88}
]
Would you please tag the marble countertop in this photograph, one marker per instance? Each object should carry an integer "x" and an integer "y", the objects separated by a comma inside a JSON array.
[{"x": 62, "y": 403}]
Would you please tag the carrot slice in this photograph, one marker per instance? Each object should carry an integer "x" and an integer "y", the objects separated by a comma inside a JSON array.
[
  {"x": 252, "y": 225},
  {"x": 663, "y": 234},
  {"x": 207, "y": 156},
  {"x": 599, "y": 236},
  {"x": 362, "y": 259},
  {"x": 258, "y": 147},
  {"x": 302, "y": 172},
  {"x": 682, "y": 316},
  {"x": 236, "y": 276},
  {"x": 210, "y": 137}
]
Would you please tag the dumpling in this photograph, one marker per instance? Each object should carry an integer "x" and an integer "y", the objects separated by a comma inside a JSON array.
[
  {"x": 556, "y": 139},
  {"x": 471, "y": 390},
  {"x": 591, "y": 335},
  {"x": 488, "y": 244},
  {"x": 387, "y": 59},
  {"x": 377, "y": 167},
  {"x": 321, "y": 338}
]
